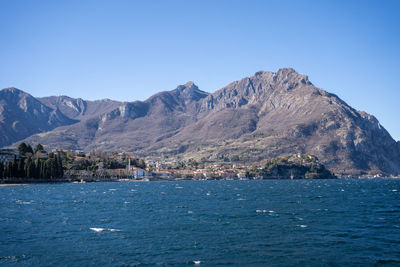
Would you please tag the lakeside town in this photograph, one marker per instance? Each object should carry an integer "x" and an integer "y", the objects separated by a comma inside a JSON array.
[
  {"x": 27, "y": 164},
  {"x": 106, "y": 166}
]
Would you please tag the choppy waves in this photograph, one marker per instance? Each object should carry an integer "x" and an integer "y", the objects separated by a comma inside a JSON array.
[{"x": 272, "y": 222}]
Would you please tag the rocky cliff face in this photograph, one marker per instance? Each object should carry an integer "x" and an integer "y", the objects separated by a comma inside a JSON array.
[
  {"x": 21, "y": 115},
  {"x": 78, "y": 108},
  {"x": 265, "y": 115},
  {"x": 270, "y": 114}
]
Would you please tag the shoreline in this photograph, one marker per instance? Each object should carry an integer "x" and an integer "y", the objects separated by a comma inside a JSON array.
[{"x": 83, "y": 181}]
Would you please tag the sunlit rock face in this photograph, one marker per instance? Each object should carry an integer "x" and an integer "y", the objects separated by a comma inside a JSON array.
[{"x": 257, "y": 117}]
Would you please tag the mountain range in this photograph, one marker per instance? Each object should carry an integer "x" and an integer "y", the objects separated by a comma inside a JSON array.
[{"x": 249, "y": 120}]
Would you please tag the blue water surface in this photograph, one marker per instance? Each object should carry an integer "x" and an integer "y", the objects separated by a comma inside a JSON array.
[{"x": 242, "y": 223}]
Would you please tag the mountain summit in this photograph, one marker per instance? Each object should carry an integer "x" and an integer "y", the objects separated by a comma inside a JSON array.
[{"x": 265, "y": 115}]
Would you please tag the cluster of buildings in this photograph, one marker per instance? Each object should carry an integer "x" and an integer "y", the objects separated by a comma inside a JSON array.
[
  {"x": 169, "y": 170},
  {"x": 162, "y": 170}
]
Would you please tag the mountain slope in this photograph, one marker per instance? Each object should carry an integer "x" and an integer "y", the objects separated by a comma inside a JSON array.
[
  {"x": 277, "y": 113},
  {"x": 78, "y": 108},
  {"x": 265, "y": 115},
  {"x": 131, "y": 126},
  {"x": 22, "y": 115}
]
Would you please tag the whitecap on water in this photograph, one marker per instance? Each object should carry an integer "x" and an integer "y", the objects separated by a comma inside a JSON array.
[
  {"x": 97, "y": 229},
  {"x": 178, "y": 187},
  {"x": 112, "y": 189},
  {"x": 394, "y": 190},
  {"x": 190, "y": 212},
  {"x": 24, "y": 202},
  {"x": 104, "y": 229},
  {"x": 302, "y": 226},
  {"x": 264, "y": 211}
]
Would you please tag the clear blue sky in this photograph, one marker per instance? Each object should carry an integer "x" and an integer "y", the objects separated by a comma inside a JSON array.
[{"x": 129, "y": 50}]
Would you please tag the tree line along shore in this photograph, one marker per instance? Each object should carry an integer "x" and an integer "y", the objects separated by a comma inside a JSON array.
[{"x": 36, "y": 164}]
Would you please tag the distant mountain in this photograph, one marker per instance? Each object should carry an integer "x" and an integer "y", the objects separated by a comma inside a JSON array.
[
  {"x": 131, "y": 126},
  {"x": 266, "y": 115},
  {"x": 78, "y": 108},
  {"x": 22, "y": 115}
]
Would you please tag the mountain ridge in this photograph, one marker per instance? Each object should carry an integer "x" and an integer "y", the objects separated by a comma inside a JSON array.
[
  {"x": 22, "y": 115},
  {"x": 264, "y": 115}
]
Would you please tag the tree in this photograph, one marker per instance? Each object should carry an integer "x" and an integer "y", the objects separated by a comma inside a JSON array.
[
  {"x": 42, "y": 172},
  {"x": 9, "y": 170},
  {"x": 30, "y": 168},
  {"x": 142, "y": 164},
  {"x": 60, "y": 171},
  {"x": 37, "y": 169},
  {"x": 21, "y": 168},
  {"x": 1, "y": 170},
  {"x": 23, "y": 149},
  {"x": 51, "y": 168},
  {"x": 235, "y": 158},
  {"x": 29, "y": 149},
  {"x": 38, "y": 148},
  {"x": 14, "y": 167}
]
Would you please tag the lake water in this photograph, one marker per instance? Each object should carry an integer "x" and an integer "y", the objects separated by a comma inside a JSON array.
[{"x": 251, "y": 223}]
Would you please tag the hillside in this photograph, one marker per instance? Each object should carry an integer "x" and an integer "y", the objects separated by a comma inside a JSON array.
[
  {"x": 266, "y": 115},
  {"x": 22, "y": 115}
]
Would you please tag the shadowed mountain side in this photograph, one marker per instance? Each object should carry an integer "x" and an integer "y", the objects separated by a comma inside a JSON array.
[
  {"x": 134, "y": 125},
  {"x": 265, "y": 115},
  {"x": 22, "y": 115}
]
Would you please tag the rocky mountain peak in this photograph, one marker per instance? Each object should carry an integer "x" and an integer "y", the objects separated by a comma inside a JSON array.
[
  {"x": 190, "y": 91},
  {"x": 14, "y": 98},
  {"x": 254, "y": 118},
  {"x": 287, "y": 71},
  {"x": 11, "y": 89},
  {"x": 190, "y": 84},
  {"x": 187, "y": 87},
  {"x": 290, "y": 76},
  {"x": 12, "y": 92}
]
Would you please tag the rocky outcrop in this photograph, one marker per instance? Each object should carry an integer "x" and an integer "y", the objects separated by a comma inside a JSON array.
[{"x": 78, "y": 108}]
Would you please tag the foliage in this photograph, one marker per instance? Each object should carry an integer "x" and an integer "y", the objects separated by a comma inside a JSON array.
[
  {"x": 24, "y": 149},
  {"x": 28, "y": 167},
  {"x": 292, "y": 166},
  {"x": 38, "y": 148}
]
